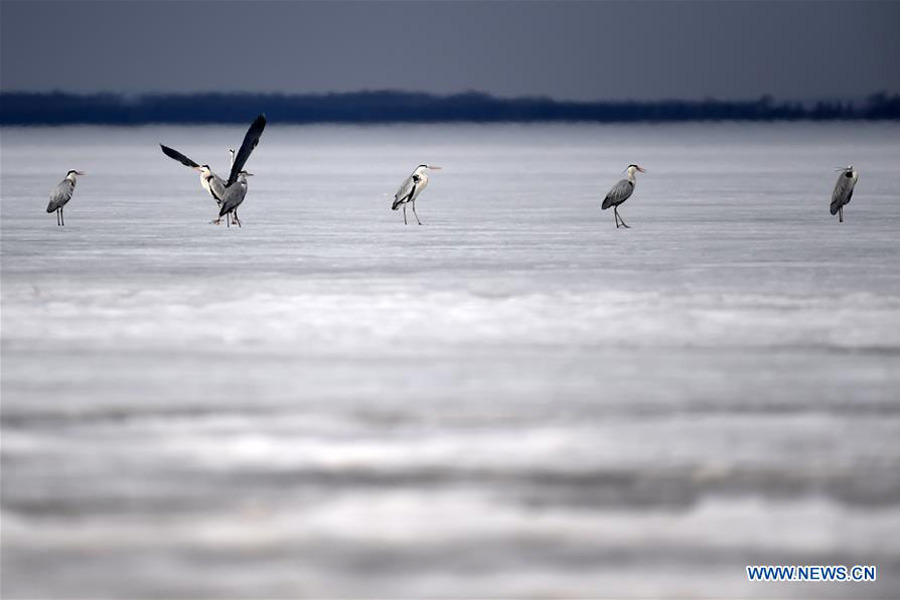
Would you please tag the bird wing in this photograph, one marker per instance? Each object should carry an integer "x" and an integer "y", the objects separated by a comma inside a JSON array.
[
  {"x": 406, "y": 191},
  {"x": 178, "y": 156},
  {"x": 843, "y": 191},
  {"x": 234, "y": 195},
  {"x": 216, "y": 187},
  {"x": 251, "y": 139},
  {"x": 618, "y": 194},
  {"x": 61, "y": 194}
]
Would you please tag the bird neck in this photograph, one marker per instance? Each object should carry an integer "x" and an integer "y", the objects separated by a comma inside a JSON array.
[
  {"x": 71, "y": 177},
  {"x": 631, "y": 171}
]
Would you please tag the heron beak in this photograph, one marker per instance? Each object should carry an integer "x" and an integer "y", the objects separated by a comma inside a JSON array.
[
  {"x": 641, "y": 169},
  {"x": 80, "y": 173},
  {"x": 433, "y": 168},
  {"x": 248, "y": 174},
  {"x": 198, "y": 169}
]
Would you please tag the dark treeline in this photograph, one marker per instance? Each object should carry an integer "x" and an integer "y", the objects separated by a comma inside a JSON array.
[{"x": 58, "y": 108}]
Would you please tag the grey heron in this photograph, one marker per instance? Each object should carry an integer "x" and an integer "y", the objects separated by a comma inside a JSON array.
[
  {"x": 212, "y": 183},
  {"x": 234, "y": 196},
  {"x": 411, "y": 188},
  {"x": 843, "y": 191},
  {"x": 61, "y": 195},
  {"x": 621, "y": 192}
]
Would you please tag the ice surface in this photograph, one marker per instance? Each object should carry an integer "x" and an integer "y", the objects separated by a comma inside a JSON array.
[{"x": 513, "y": 399}]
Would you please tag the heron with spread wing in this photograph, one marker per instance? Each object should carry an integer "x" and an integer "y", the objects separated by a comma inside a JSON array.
[{"x": 217, "y": 187}]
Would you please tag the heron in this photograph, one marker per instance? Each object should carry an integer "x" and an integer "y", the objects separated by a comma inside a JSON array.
[
  {"x": 411, "y": 188},
  {"x": 61, "y": 195},
  {"x": 843, "y": 191},
  {"x": 621, "y": 192},
  {"x": 212, "y": 183},
  {"x": 234, "y": 195}
]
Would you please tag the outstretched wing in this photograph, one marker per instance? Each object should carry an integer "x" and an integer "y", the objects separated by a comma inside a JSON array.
[
  {"x": 61, "y": 194},
  {"x": 843, "y": 191},
  {"x": 178, "y": 156},
  {"x": 619, "y": 194},
  {"x": 251, "y": 139}
]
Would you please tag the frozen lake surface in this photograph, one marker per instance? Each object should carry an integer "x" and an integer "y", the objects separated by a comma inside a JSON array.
[{"x": 515, "y": 399}]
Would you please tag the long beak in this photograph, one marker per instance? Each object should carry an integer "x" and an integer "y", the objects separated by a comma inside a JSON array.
[
  {"x": 198, "y": 169},
  {"x": 641, "y": 169},
  {"x": 434, "y": 168},
  {"x": 80, "y": 173},
  {"x": 248, "y": 174}
]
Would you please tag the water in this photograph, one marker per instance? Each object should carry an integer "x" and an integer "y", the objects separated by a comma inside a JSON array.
[{"x": 514, "y": 399}]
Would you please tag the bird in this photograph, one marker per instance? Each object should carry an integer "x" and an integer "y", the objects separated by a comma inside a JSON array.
[
  {"x": 621, "y": 192},
  {"x": 234, "y": 195},
  {"x": 212, "y": 183},
  {"x": 411, "y": 188},
  {"x": 843, "y": 191},
  {"x": 61, "y": 195}
]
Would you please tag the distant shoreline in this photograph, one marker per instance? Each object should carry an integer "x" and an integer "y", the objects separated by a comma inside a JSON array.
[{"x": 57, "y": 108}]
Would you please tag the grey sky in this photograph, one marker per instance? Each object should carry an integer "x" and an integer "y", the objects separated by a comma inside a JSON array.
[{"x": 583, "y": 50}]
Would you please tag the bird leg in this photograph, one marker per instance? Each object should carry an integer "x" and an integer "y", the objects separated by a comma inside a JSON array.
[
  {"x": 57, "y": 218},
  {"x": 404, "y": 215},
  {"x": 234, "y": 218},
  {"x": 616, "y": 210},
  {"x": 616, "y": 213},
  {"x": 216, "y": 221},
  {"x": 415, "y": 213},
  {"x": 841, "y": 215},
  {"x": 62, "y": 216}
]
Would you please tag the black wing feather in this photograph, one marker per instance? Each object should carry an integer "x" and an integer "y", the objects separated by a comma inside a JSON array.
[
  {"x": 178, "y": 156},
  {"x": 405, "y": 198},
  {"x": 250, "y": 142}
]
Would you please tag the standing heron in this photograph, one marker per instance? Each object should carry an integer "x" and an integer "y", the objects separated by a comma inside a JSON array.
[
  {"x": 410, "y": 190},
  {"x": 234, "y": 196},
  {"x": 212, "y": 183},
  {"x": 843, "y": 191},
  {"x": 61, "y": 195},
  {"x": 621, "y": 192}
]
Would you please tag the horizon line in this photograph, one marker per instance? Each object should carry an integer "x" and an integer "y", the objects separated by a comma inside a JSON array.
[{"x": 385, "y": 106}]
